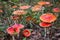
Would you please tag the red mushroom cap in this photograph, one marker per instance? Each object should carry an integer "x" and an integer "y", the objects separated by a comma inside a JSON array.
[
  {"x": 26, "y": 33},
  {"x": 44, "y": 24},
  {"x": 48, "y": 17}
]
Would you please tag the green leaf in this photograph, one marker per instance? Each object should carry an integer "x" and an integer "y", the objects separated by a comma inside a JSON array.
[
  {"x": 2, "y": 28},
  {"x": 31, "y": 24},
  {"x": 27, "y": 1},
  {"x": 0, "y": 0},
  {"x": 24, "y": 38},
  {"x": 15, "y": 1}
]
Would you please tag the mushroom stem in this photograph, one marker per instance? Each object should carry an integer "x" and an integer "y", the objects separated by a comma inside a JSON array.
[
  {"x": 45, "y": 32},
  {"x": 13, "y": 38},
  {"x": 42, "y": 10}
]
